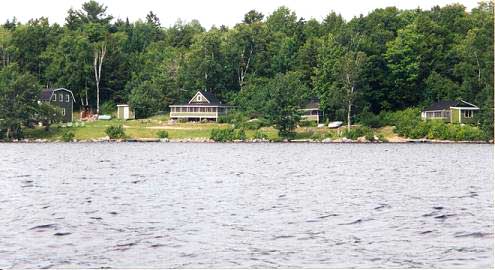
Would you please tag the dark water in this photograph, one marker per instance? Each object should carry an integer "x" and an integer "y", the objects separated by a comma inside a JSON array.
[{"x": 245, "y": 205}]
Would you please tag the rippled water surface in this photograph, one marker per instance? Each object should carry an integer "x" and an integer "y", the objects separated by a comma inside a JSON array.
[{"x": 245, "y": 205}]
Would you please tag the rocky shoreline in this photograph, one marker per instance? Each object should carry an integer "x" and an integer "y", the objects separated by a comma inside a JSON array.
[{"x": 206, "y": 140}]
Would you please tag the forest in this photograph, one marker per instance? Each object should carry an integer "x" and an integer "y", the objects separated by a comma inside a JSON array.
[{"x": 267, "y": 65}]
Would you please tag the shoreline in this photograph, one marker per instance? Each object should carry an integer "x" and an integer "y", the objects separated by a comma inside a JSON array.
[{"x": 254, "y": 141}]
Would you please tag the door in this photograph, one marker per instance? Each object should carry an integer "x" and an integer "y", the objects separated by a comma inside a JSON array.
[{"x": 126, "y": 113}]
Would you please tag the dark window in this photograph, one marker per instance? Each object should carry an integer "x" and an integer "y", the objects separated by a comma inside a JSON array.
[{"x": 468, "y": 114}]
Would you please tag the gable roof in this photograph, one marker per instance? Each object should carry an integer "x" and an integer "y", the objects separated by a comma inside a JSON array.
[
  {"x": 313, "y": 103},
  {"x": 46, "y": 94},
  {"x": 211, "y": 99},
  {"x": 447, "y": 104}
]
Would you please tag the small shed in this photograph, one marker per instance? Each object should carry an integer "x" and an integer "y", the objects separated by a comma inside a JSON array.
[{"x": 125, "y": 112}]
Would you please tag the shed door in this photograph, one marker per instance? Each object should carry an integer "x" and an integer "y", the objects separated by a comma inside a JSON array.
[{"x": 126, "y": 112}]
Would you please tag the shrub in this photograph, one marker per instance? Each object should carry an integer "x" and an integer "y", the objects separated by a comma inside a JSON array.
[
  {"x": 222, "y": 135},
  {"x": 162, "y": 134},
  {"x": 115, "y": 132},
  {"x": 254, "y": 124},
  {"x": 318, "y": 136},
  {"x": 355, "y": 133},
  {"x": 307, "y": 134},
  {"x": 308, "y": 123},
  {"x": 382, "y": 138},
  {"x": 108, "y": 107},
  {"x": 68, "y": 136},
  {"x": 370, "y": 119},
  {"x": 260, "y": 135},
  {"x": 240, "y": 135}
]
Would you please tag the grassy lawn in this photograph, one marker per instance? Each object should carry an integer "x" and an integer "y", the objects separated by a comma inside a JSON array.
[
  {"x": 142, "y": 128},
  {"x": 148, "y": 128}
]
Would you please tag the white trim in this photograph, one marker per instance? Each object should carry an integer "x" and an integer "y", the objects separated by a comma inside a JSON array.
[
  {"x": 201, "y": 105},
  {"x": 437, "y": 111},
  {"x": 58, "y": 89},
  {"x": 199, "y": 92},
  {"x": 465, "y": 108},
  {"x": 469, "y": 103}
]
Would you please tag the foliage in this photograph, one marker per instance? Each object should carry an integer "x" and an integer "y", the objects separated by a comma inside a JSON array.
[
  {"x": 267, "y": 64},
  {"x": 222, "y": 135},
  {"x": 227, "y": 134},
  {"x": 68, "y": 136},
  {"x": 285, "y": 98},
  {"x": 307, "y": 123},
  {"x": 162, "y": 134},
  {"x": 47, "y": 115},
  {"x": 108, "y": 107},
  {"x": 355, "y": 133},
  {"x": 115, "y": 132},
  {"x": 408, "y": 124},
  {"x": 260, "y": 135},
  {"x": 18, "y": 100},
  {"x": 369, "y": 119}
]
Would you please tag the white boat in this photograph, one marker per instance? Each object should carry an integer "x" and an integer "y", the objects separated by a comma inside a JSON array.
[
  {"x": 335, "y": 124},
  {"x": 104, "y": 117}
]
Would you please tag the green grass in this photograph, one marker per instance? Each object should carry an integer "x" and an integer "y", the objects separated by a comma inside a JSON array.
[{"x": 148, "y": 128}]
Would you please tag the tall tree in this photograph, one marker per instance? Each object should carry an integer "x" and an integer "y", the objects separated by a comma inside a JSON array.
[{"x": 18, "y": 100}]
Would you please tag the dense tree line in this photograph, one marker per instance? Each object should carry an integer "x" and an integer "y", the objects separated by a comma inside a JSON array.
[{"x": 388, "y": 60}]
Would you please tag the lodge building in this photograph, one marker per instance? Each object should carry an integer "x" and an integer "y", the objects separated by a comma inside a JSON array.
[{"x": 203, "y": 105}]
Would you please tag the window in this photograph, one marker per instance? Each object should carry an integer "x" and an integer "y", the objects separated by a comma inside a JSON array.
[
  {"x": 199, "y": 98},
  {"x": 55, "y": 97},
  {"x": 61, "y": 98},
  {"x": 63, "y": 111},
  {"x": 468, "y": 114},
  {"x": 67, "y": 98}
]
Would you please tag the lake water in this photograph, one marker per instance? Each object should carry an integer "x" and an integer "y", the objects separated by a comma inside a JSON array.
[{"x": 246, "y": 205}]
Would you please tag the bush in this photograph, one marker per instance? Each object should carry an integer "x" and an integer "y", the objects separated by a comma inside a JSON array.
[
  {"x": 370, "y": 119},
  {"x": 115, "y": 132},
  {"x": 318, "y": 136},
  {"x": 162, "y": 134},
  {"x": 308, "y": 123},
  {"x": 108, "y": 107},
  {"x": 227, "y": 134},
  {"x": 355, "y": 133},
  {"x": 260, "y": 135},
  {"x": 240, "y": 135},
  {"x": 222, "y": 135},
  {"x": 255, "y": 124},
  {"x": 68, "y": 136}
]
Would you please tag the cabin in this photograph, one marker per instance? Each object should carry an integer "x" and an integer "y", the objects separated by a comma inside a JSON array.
[
  {"x": 125, "y": 112},
  {"x": 311, "y": 111},
  {"x": 202, "y": 106},
  {"x": 451, "y": 111},
  {"x": 61, "y": 98}
]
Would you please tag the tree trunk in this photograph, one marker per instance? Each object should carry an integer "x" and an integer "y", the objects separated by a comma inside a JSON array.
[
  {"x": 97, "y": 64},
  {"x": 349, "y": 106}
]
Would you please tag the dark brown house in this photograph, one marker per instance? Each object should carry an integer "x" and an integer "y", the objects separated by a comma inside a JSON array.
[
  {"x": 61, "y": 98},
  {"x": 311, "y": 111}
]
